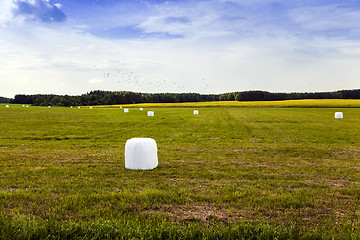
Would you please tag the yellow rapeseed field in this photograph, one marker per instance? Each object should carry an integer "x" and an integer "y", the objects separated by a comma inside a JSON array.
[{"x": 316, "y": 103}]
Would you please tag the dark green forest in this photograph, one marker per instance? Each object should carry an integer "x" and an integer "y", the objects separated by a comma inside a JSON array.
[
  {"x": 100, "y": 97},
  {"x": 4, "y": 100}
]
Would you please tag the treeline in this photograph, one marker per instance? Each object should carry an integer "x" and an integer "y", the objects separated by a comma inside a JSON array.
[
  {"x": 5, "y": 100},
  {"x": 268, "y": 96},
  {"x": 111, "y": 98}
]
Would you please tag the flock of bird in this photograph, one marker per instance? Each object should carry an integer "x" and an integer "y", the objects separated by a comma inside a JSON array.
[{"x": 131, "y": 79}]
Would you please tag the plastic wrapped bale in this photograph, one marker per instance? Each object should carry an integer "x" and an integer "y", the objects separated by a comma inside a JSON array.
[
  {"x": 27, "y": 106},
  {"x": 90, "y": 107},
  {"x": 7, "y": 106},
  {"x": 126, "y": 110},
  {"x": 120, "y": 107},
  {"x": 150, "y": 113},
  {"x": 49, "y": 107},
  {"x": 196, "y": 112},
  {"x": 141, "y": 109},
  {"x": 339, "y": 115},
  {"x": 23, "y": 105},
  {"x": 141, "y": 154},
  {"x": 78, "y": 107}
]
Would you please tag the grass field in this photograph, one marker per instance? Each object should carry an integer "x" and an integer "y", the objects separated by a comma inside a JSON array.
[{"x": 261, "y": 172}]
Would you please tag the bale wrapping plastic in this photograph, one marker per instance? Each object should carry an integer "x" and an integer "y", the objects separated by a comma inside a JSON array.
[
  {"x": 141, "y": 154},
  {"x": 7, "y": 106},
  {"x": 196, "y": 112},
  {"x": 126, "y": 110},
  {"x": 339, "y": 115},
  {"x": 150, "y": 113},
  {"x": 141, "y": 109}
]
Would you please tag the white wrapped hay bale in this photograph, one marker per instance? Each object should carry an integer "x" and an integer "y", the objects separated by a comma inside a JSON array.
[
  {"x": 120, "y": 107},
  {"x": 141, "y": 109},
  {"x": 150, "y": 113},
  {"x": 78, "y": 107},
  {"x": 196, "y": 112},
  {"x": 7, "y": 106},
  {"x": 90, "y": 107},
  {"x": 141, "y": 154},
  {"x": 27, "y": 105},
  {"x": 49, "y": 107},
  {"x": 126, "y": 110},
  {"x": 23, "y": 105},
  {"x": 339, "y": 115}
]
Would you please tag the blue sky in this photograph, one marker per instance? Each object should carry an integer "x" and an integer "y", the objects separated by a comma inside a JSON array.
[{"x": 206, "y": 46}]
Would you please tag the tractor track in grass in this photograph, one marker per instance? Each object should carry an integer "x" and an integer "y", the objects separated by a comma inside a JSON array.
[
  {"x": 261, "y": 129},
  {"x": 185, "y": 128}
]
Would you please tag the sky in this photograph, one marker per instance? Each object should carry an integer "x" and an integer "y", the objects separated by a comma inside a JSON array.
[{"x": 204, "y": 46}]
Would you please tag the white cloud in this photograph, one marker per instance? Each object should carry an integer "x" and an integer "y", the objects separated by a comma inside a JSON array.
[
  {"x": 96, "y": 80},
  {"x": 327, "y": 18},
  {"x": 58, "y": 5},
  {"x": 37, "y": 10},
  {"x": 6, "y": 7},
  {"x": 193, "y": 20}
]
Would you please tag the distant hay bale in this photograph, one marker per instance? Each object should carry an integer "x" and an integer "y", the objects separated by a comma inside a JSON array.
[
  {"x": 141, "y": 109},
  {"x": 49, "y": 107},
  {"x": 150, "y": 113},
  {"x": 126, "y": 110},
  {"x": 7, "y": 106},
  {"x": 23, "y": 105},
  {"x": 70, "y": 106},
  {"x": 339, "y": 115},
  {"x": 120, "y": 107},
  {"x": 78, "y": 107},
  {"x": 141, "y": 154},
  {"x": 27, "y": 106},
  {"x": 196, "y": 112}
]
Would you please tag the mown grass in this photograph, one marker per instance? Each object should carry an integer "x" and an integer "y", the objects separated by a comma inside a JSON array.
[{"x": 286, "y": 171}]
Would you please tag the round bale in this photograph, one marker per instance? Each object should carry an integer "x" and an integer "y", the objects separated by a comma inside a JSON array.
[
  {"x": 339, "y": 115},
  {"x": 141, "y": 154}
]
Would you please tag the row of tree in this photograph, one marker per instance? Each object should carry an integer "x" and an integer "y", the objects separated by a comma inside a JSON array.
[
  {"x": 4, "y": 100},
  {"x": 124, "y": 97},
  {"x": 268, "y": 96},
  {"x": 110, "y": 98}
]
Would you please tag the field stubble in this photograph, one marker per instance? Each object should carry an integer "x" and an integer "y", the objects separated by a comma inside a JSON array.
[{"x": 260, "y": 165}]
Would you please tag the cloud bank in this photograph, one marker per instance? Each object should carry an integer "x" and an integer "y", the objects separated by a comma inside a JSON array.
[{"x": 208, "y": 46}]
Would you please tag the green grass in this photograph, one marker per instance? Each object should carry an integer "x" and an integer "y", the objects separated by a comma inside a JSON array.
[{"x": 288, "y": 172}]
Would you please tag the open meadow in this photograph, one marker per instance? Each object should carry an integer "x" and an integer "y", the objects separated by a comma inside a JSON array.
[{"x": 229, "y": 172}]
